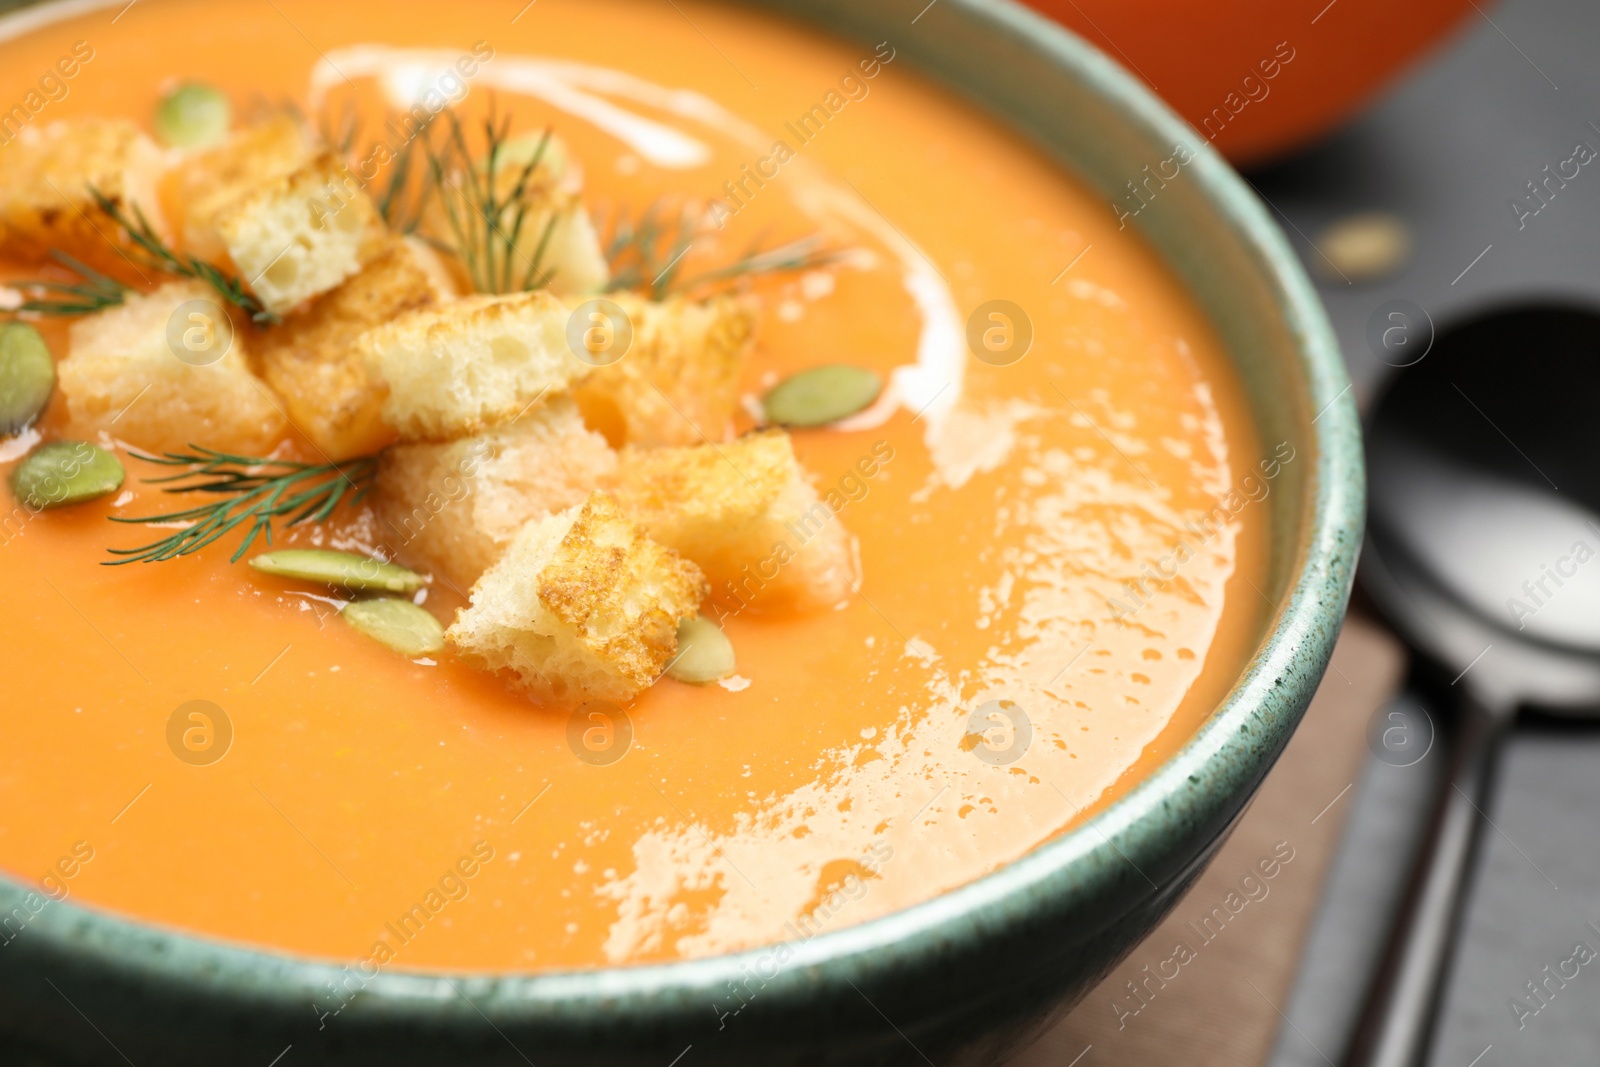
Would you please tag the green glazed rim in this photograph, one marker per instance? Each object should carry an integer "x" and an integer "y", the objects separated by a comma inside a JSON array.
[{"x": 1194, "y": 794}]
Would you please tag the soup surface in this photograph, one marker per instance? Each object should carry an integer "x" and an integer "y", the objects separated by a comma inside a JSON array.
[{"x": 1076, "y": 534}]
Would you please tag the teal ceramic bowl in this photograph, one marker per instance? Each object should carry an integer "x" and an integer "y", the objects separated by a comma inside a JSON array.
[{"x": 965, "y": 978}]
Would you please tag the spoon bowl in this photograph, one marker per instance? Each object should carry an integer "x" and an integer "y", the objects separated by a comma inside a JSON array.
[{"x": 1483, "y": 550}]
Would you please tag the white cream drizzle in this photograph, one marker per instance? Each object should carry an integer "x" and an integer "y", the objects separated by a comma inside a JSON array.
[{"x": 929, "y": 387}]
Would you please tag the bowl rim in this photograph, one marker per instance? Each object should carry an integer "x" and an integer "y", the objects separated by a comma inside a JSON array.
[{"x": 1230, "y": 751}]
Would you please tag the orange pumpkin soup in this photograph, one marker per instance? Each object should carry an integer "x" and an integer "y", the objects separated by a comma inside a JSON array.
[{"x": 1056, "y": 547}]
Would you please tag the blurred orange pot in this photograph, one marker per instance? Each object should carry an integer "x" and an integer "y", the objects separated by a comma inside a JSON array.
[{"x": 1261, "y": 77}]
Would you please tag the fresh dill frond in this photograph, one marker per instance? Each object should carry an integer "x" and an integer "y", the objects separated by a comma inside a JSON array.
[
  {"x": 802, "y": 254},
  {"x": 255, "y": 493},
  {"x": 95, "y": 292},
  {"x": 647, "y": 254},
  {"x": 401, "y": 211},
  {"x": 488, "y": 203},
  {"x": 159, "y": 257},
  {"x": 340, "y": 133}
]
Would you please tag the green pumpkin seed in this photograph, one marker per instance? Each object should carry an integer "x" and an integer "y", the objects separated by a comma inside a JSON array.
[
  {"x": 704, "y": 652},
  {"x": 62, "y": 473},
  {"x": 403, "y": 626},
  {"x": 346, "y": 570},
  {"x": 192, "y": 116},
  {"x": 821, "y": 395},
  {"x": 27, "y": 374}
]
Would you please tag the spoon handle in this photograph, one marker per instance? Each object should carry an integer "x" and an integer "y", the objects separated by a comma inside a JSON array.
[{"x": 1400, "y": 1008}]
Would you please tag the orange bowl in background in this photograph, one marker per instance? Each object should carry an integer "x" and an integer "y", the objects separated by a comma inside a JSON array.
[{"x": 1261, "y": 78}]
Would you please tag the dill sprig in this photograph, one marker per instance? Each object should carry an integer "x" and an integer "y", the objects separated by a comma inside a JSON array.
[
  {"x": 647, "y": 254},
  {"x": 401, "y": 213},
  {"x": 95, "y": 292},
  {"x": 340, "y": 132},
  {"x": 255, "y": 491},
  {"x": 487, "y": 215},
  {"x": 159, "y": 257},
  {"x": 398, "y": 204}
]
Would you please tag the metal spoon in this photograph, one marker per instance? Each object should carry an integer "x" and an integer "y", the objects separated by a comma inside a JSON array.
[{"x": 1483, "y": 549}]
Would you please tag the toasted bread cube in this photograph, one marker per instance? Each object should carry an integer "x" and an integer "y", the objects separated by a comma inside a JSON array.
[
  {"x": 453, "y": 508},
  {"x": 678, "y": 382},
  {"x": 313, "y": 362},
  {"x": 123, "y": 376},
  {"x": 464, "y": 367},
  {"x": 45, "y": 177},
  {"x": 746, "y": 515},
  {"x": 208, "y": 182},
  {"x": 581, "y": 606},
  {"x": 572, "y": 259},
  {"x": 302, "y": 234}
]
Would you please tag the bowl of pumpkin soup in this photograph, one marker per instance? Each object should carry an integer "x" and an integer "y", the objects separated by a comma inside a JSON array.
[{"x": 606, "y": 533}]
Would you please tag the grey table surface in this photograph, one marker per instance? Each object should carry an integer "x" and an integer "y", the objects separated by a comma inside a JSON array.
[{"x": 1450, "y": 150}]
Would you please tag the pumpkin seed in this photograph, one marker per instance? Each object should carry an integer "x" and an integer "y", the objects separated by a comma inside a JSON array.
[
  {"x": 27, "y": 374},
  {"x": 704, "y": 652},
  {"x": 403, "y": 626},
  {"x": 345, "y": 570},
  {"x": 1365, "y": 247},
  {"x": 62, "y": 473},
  {"x": 192, "y": 116},
  {"x": 821, "y": 395}
]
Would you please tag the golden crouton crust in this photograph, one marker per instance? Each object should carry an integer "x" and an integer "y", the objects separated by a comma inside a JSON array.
[
  {"x": 121, "y": 376},
  {"x": 582, "y": 606},
  {"x": 744, "y": 512},
  {"x": 453, "y": 508},
  {"x": 587, "y": 585},
  {"x": 678, "y": 383},
  {"x": 210, "y": 181},
  {"x": 666, "y": 486},
  {"x": 444, "y": 377},
  {"x": 45, "y": 177},
  {"x": 314, "y": 364}
]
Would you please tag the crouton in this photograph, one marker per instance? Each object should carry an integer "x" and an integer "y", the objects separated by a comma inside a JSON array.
[
  {"x": 207, "y": 183},
  {"x": 302, "y": 234},
  {"x": 572, "y": 259},
  {"x": 45, "y": 177},
  {"x": 122, "y": 375},
  {"x": 461, "y": 368},
  {"x": 453, "y": 508},
  {"x": 581, "y": 606},
  {"x": 746, "y": 515},
  {"x": 312, "y": 360},
  {"x": 678, "y": 382}
]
